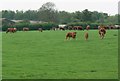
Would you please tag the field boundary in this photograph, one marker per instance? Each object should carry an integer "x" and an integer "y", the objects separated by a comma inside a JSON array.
[{"x": 60, "y": 80}]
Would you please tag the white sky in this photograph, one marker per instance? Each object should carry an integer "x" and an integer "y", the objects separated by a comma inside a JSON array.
[{"x": 106, "y": 6}]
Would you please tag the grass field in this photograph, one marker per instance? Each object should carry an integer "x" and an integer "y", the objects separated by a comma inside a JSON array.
[
  {"x": 47, "y": 55},
  {"x": 0, "y": 55}
]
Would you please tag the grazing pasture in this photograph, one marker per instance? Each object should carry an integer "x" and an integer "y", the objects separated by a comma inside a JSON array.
[
  {"x": 0, "y": 55},
  {"x": 48, "y": 55}
]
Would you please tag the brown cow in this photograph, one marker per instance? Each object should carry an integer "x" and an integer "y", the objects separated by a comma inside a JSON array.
[
  {"x": 77, "y": 28},
  {"x": 102, "y": 32},
  {"x": 86, "y": 36},
  {"x": 25, "y": 29},
  {"x": 88, "y": 27},
  {"x": 71, "y": 34},
  {"x": 11, "y": 30},
  {"x": 99, "y": 27},
  {"x": 15, "y": 29},
  {"x": 74, "y": 28}
]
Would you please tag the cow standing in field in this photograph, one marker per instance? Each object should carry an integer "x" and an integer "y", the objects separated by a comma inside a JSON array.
[
  {"x": 25, "y": 29},
  {"x": 40, "y": 29},
  {"x": 71, "y": 34},
  {"x": 102, "y": 32},
  {"x": 15, "y": 29},
  {"x": 11, "y": 30},
  {"x": 86, "y": 36},
  {"x": 77, "y": 28},
  {"x": 60, "y": 28},
  {"x": 88, "y": 27},
  {"x": 99, "y": 27}
]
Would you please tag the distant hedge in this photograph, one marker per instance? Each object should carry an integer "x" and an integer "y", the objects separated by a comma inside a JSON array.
[
  {"x": 20, "y": 26},
  {"x": 48, "y": 26},
  {"x": 84, "y": 24}
]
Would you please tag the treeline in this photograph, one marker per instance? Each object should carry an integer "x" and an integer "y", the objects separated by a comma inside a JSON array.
[
  {"x": 48, "y": 13},
  {"x": 62, "y": 17}
]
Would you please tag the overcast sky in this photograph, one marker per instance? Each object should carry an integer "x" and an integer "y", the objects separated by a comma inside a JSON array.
[{"x": 106, "y": 6}]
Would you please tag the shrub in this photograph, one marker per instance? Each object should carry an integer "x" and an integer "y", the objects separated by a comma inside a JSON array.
[{"x": 20, "y": 26}]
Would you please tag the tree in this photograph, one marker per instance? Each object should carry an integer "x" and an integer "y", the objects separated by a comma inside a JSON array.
[
  {"x": 8, "y": 14},
  {"x": 112, "y": 19},
  {"x": 102, "y": 17},
  {"x": 48, "y": 12},
  {"x": 119, "y": 18},
  {"x": 48, "y": 6},
  {"x": 65, "y": 17},
  {"x": 30, "y": 15},
  {"x": 95, "y": 16},
  {"x": 86, "y": 15},
  {"x": 19, "y": 15},
  {"x": 78, "y": 16}
]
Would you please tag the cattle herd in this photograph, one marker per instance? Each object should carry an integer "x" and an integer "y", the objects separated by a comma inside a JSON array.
[
  {"x": 102, "y": 32},
  {"x": 101, "y": 29}
]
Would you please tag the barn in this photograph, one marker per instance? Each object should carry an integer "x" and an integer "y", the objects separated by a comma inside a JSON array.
[{"x": 4, "y": 23}]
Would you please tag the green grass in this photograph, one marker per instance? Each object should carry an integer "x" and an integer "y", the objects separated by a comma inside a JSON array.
[
  {"x": 0, "y": 56},
  {"x": 47, "y": 55}
]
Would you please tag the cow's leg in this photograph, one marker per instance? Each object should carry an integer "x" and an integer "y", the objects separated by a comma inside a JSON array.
[
  {"x": 66, "y": 38},
  {"x": 102, "y": 35},
  {"x": 13, "y": 31}
]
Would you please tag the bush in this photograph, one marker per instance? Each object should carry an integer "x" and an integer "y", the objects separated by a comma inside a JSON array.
[
  {"x": 84, "y": 24},
  {"x": 20, "y": 26}
]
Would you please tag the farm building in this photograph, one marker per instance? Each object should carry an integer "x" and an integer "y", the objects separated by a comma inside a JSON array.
[
  {"x": 6, "y": 21},
  {"x": 61, "y": 26}
]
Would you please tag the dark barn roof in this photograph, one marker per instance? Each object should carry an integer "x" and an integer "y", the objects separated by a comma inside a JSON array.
[{"x": 5, "y": 21}]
